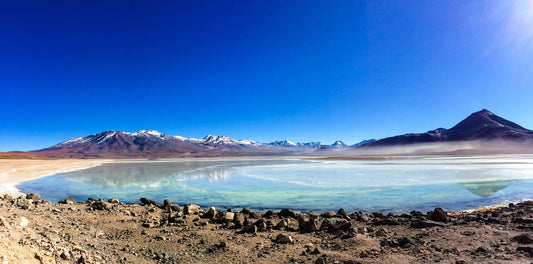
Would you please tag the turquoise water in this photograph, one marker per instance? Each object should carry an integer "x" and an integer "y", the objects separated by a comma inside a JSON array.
[{"x": 397, "y": 186}]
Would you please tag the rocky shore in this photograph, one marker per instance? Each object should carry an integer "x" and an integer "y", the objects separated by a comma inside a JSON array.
[{"x": 98, "y": 231}]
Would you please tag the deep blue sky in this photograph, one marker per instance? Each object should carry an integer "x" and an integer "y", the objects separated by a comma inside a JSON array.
[{"x": 261, "y": 70}]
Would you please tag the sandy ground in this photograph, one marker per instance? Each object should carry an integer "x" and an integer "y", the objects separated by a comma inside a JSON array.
[{"x": 15, "y": 171}]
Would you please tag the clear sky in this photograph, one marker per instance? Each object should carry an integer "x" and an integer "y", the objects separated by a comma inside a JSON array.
[{"x": 262, "y": 70}]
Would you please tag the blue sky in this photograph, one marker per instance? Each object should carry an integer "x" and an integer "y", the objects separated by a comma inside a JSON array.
[{"x": 261, "y": 70}]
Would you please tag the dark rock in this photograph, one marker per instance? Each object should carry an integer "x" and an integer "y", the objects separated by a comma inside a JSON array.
[
  {"x": 269, "y": 214},
  {"x": 324, "y": 259},
  {"x": 23, "y": 203},
  {"x": 329, "y": 214},
  {"x": 526, "y": 249},
  {"x": 101, "y": 205},
  {"x": 286, "y": 213},
  {"x": 284, "y": 239},
  {"x": 34, "y": 197},
  {"x": 255, "y": 215},
  {"x": 438, "y": 215},
  {"x": 426, "y": 224},
  {"x": 250, "y": 229},
  {"x": 523, "y": 220},
  {"x": 261, "y": 225},
  {"x": 283, "y": 224},
  {"x": 335, "y": 224},
  {"x": 238, "y": 219},
  {"x": 342, "y": 213},
  {"x": 146, "y": 201},
  {"x": 385, "y": 221},
  {"x": 524, "y": 238},
  {"x": 246, "y": 211},
  {"x": 407, "y": 241},
  {"x": 211, "y": 213},
  {"x": 483, "y": 250},
  {"x": 113, "y": 201},
  {"x": 308, "y": 222},
  {"x": 229, "y": 210}
]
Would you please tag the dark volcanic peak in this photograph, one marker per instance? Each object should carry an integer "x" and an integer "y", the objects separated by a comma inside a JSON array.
[{"x": 482, "y": 125}]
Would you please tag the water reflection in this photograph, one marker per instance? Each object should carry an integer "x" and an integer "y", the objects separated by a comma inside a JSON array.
[
  {"x": 486, "y": 189},
  {"x": 149, "y": 174}
]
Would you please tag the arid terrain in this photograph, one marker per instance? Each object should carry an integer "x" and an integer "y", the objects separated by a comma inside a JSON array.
[{"x": 97, "y": 231}]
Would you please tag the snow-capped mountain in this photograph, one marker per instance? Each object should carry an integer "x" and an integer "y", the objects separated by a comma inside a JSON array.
[
  {"x": 339, "y": 145},
  {"x": 150, "y": 143}
]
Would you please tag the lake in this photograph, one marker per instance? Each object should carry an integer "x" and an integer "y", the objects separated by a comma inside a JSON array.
[{"x": 398, "y": 186}]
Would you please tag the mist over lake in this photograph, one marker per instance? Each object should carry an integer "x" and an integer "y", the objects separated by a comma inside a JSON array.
[{"x": 417, "y": 183}]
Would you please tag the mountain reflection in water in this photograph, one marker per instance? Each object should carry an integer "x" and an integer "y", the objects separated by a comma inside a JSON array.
[
  {"x": 486, "y": 189},
  {"x": 152, "y": 173}
]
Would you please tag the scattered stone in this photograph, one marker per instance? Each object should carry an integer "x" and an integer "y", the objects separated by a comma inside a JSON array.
[
  {"x": 438, "y": 215},
  {"x": 284, "y": 239},
  {"x": 69, "y": 200},
  {"x": 238, "y": 219},
  {"x": 524, "y": 238},
  {"x": 269, "y": 214},
  {"x": 426, "y": 224},
  {"x": 286, "y": 213},
  {"x": 407, "y": 241},
  {"x": 113, "y": 201},
  {"x": 246, "y": 211},
  {"x": 34, "y": 197},
  {"x": 342, "y": 213},
  {"x": 329, "y": 214},
  {"x": 146, "y": 201},
  {"x": 332, "y": 225},
  {"x": 283, "y": 224},
  {"x": 101, "y": 205},
  {"x": 191, "y": 209},
  {"x": 210, "y": 213},
  {"x": 23, "y": 203},
  {"x": 308, "y": 223},
  {"x": 526, "y": 249}
]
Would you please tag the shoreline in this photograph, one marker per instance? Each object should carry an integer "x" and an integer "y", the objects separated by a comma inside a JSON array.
[{"x": 16, "y": 171}]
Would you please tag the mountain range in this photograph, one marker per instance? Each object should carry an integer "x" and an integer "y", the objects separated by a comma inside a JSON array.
[{"x": 479, "y": 126}]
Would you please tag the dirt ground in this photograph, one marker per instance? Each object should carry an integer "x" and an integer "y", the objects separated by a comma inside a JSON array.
[{"x": 97, "y": 231}]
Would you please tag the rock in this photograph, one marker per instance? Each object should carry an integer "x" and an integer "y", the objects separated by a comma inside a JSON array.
[
  {"x": 523, "y": 220},
  {"x": 246, "y": 211},
  {"x": 34, "y": 197},
  {"x": 524, "y": 238},
  {"x": 22, "y": 222},
  {"x": 286, "y": 213},
  {"x": 210, "y": 213},
  {"x": 324, "y": 259},
  {"x": 526, "y": 249},
  {"x": 426, "y": 224},
  {"x": 229, "y": 216},
  {"x": 283, "y": 224},
  {"x": 438, "y": 215},
  {"x": 308, "y": 222},
  {"x": 23, "y": 203},
  {"x": 191, "y": 209},
  {"x": 146, "y": 201},
  {"x": 250, "y": 229},
  {"x": 261, "y": 225},
  {"x": 407, "y": 241},
  {"x": 385, "y": 221},
  {"x": 284, "y": 239},
  {"x": 64, "y": 255},
  {"x": 335, "y": 224},
  {"x": 342, "y": 213},
  {"x": 113, "y": 201},
  {"x": 238, "y": 219},
  {"x": 483, "y": 250},
  {"x": 8, "y": 198},
  {"x": 69, "y": 200},
  {"x": 4, "y": 223},
  {"x": 329, "y": 214},
  {"x": 269, "y": 214},
  {"x": 101, "y": 205},
  {"x": 255, "y": 215}
]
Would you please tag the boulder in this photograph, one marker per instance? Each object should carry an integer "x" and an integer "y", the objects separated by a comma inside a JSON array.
[
  {"x": 101, "y": 205},
  {"x": 286, "y": 213},
  {"x": 342, "y": 213},
  {"x": 229, "y": 216},
  {"x": 210, "y": 213},
  {"x": 426, "y": 224},
  {"x": 329, "y": 214},
  {"x": 283, "y": 224},
  {"x": 261, "y": 225},
  {"x": 284, "y": 239},
  {"x": 308, "y": 222},
  {"x": 524, "y": 238},
  {"x": 113, "y": 201},
  {"x": 23, "y": 203},
  {"x": 334, "y": 224},
  {"x": 191, "y": 209},
  {"x": 246, "y": 211},
  {"x": 34, "y": 197},
  {"x": 438, "y": 215},
  {"x": 145, "y": 201},
  {"x": 269, "y": 214}
]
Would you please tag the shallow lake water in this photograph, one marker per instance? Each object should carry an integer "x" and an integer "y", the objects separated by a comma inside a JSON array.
[{"x": 398, "y": 186}]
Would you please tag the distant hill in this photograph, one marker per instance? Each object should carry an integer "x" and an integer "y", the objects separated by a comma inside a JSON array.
[{"x": 481, "y": 126}]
